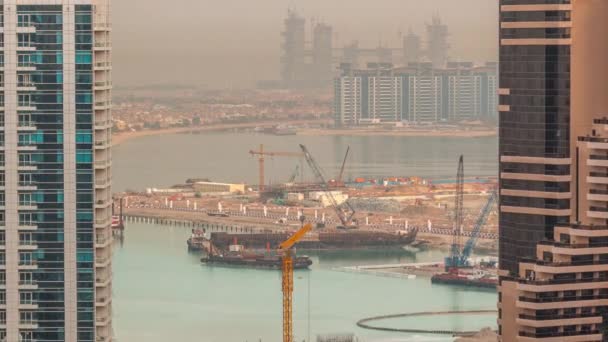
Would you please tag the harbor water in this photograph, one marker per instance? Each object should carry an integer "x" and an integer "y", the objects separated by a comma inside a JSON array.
[{"x": 163, "y": 293}]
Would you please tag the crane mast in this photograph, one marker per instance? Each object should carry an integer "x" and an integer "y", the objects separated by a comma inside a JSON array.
[
  {"x": 346, "y": 218},
  {"x": 455, "y": 252},
  {"x": 285, "y": 250},
  {"x": 262, "y": 154}
]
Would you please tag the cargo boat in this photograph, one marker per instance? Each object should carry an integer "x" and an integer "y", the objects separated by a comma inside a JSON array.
[
  {"x": 256, "y": 260},
  {"x": 476, "y": 279},
  {"x": 319, "y": 240}
]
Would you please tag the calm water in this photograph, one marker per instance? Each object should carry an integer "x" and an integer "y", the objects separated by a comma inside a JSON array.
[
  {"x": 162, "y": 293},
  {"x": 157, "y": 161}
]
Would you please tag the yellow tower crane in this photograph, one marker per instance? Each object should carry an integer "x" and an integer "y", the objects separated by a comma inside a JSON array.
[
  {"x": 261, "y": 153},
  {"x": 285, "y": 250}
]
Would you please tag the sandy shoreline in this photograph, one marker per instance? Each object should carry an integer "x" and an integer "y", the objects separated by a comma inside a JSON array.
[{"x": 119, "y": 138}]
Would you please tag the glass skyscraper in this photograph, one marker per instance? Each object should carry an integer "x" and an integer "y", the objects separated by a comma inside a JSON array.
[{"x": 55, "y": 199}]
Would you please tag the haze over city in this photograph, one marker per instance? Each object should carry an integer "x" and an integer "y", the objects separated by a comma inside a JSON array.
[
  {"x": 234, "y": 43},
  {"x": 304, "y": 170}
]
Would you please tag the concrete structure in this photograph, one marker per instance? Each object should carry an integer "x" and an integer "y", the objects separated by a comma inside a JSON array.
[
  {"x": 55, "y": 170},
  {"x": 417, "y": 93},
  {"x": 293, "y": 45},
  {"x": 218, "y": 187},
  {"x": 412, "y": 50},
  {"x": 437, "y": 42},
  {"x": 322, "y": 54},
  {"x": 553, "y": 223}
]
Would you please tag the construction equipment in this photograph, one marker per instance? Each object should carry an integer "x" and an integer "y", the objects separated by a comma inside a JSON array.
[
  {"x": 261, "y": 159},
  {"x": 285, "y": 250},
  {"x": 459, "y": 255},
  {"x": 345, "y": 211},
  {"x": 295, "y": 174},
  {"x": 455, "y": 250},
  {"x": 339, "y": 181}
]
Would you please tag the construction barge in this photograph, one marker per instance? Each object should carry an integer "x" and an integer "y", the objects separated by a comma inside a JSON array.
[
  {"x": 478, "y": 278},
  {"x": 254, "y": 260},
  {"x": 236, "y": 255},
  {"x": 319, "y": 240}
]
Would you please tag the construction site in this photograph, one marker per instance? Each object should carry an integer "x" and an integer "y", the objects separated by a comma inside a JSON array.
[{"x": 259, "y": 225}]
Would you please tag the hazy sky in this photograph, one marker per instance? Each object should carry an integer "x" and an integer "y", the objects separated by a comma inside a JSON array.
[{"x": 233, "y": 43}]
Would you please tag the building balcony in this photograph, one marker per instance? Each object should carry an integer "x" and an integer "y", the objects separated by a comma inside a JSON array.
[
  {"x": 102, "y": 321},
  {"x": 28, "y": 285},
  {"x": 30, "y": 266},
  {"x": 26, "y": 107},
  {"x": 575, "y": 336},
  {"x": 103, "y": 223},
  {"x": 28, "y": 48},
  {"x": 30, "y": 247},
  {"x": 559, "y": 320},
  {"x": 31, "y": 306},
  {"x": 27, "y": 227},
  {"x": 27, "y": 167},
  {"x": 598, "y": 212},
  {"x": 26, "y": 67},
  {"x": 102, "y": 46},
  {"x": 102, "y": 183},
  {"x": 103, "y": 163},
  {"x": 102, "y": 27},
  {"x": 103, "y": 85},
  {"x": 26, "y": 28},
  {"x": 103, "y": 105},
  {"x": 102, "y": 145},
  {"x": 102, "y": 204},
  {"x": 27, "y": 206},
  {"x": 26, "y": 126},
  {"x": 103, "y": 124},
  {"x": 103, "y": 241},
  {"x": 102, "y": 262},
  {"x": 102, "y": 301},
  {"x": 102, "y": 66},
  {"x": 28, "y": 325},
  {"x": 103, "y": 281},
  {"x": 26, "y": 87}
]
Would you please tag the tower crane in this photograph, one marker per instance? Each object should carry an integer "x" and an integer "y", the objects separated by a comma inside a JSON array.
[
  {"x": 262, "y": 154},
  {"x": 286, "y": 253},
  {"x": 345, "y": 212}
]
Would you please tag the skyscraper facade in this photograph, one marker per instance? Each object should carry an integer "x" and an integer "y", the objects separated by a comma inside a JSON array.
[
  {"x": 55, "y": 171},
  {"x": 553, "y": 151}
]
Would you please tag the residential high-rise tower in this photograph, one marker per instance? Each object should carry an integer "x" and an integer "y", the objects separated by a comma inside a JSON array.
[
  {"x": 55, "y": 199},
  {"x": 553, "y": 150}
]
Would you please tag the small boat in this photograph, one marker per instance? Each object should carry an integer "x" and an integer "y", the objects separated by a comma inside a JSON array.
[{"x": 196, "y": 240}]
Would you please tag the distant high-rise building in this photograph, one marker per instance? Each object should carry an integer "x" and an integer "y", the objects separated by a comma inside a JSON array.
[
  {"x": 411, "y": 48},
  {"x": 352, "y": 54},
  {"x": 553, "y": 228},
  {"x": 416, "y": 93},
  {"x": 55, "y": 199},
  {"x": 424, "y": 94},
  {"x": 322, "y": 54},
  {"x": 437, "y": 42},
  {"x": 294, "y": 50}
]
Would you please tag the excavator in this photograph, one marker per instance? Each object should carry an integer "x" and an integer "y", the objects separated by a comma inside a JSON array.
[{"x": 286, "y": 252}]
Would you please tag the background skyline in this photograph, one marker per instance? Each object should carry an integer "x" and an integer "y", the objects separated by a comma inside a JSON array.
[{"x": 234, "y": 43}]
